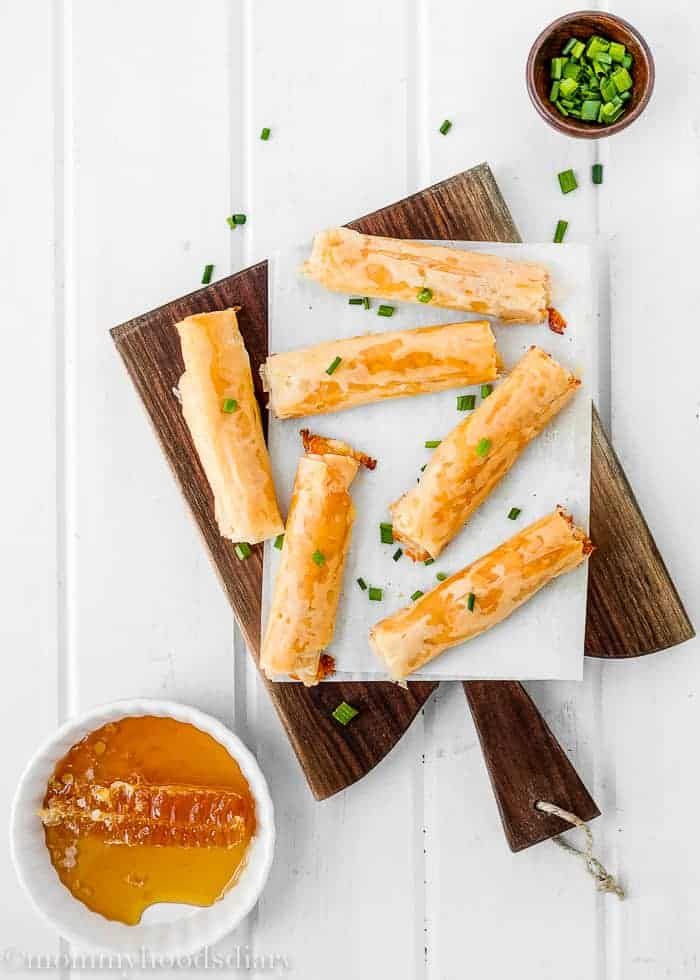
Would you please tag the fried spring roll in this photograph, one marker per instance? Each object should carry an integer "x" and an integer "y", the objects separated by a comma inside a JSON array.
[
  {"x": 347, "y": 262},
  {"x": 316, "y": 542},
  {"x": 377, "y": 366},
  {"x": 499, "y": 582},
  {"x": 478, "y": 452},
  {"x": 222, "y": 414}
]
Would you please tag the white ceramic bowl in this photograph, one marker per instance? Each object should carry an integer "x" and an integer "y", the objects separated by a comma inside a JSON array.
[{"x": 187, "y": 929}]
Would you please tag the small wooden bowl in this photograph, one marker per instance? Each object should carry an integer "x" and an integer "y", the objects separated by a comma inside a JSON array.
[{"x": 582, "y": 25}]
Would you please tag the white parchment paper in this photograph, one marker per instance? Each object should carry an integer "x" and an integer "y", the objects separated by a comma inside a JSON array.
[{"x": 544, "y": 638}]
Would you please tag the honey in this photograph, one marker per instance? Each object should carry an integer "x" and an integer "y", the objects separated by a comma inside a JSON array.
[{"x": 147, "y": 810}]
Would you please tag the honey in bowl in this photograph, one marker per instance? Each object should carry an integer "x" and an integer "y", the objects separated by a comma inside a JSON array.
[{"x": 146, "y": 810}]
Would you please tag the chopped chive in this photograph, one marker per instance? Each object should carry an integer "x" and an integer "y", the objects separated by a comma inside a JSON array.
[
  {"x": 617, "y": 51},
  {"x": 236, "y": 219},
  {"x": 590, "y": 109},
  {"x": 206, "y": 275},
  {"x": 265, "y": 133},
  {"x": 556, "y": 68},
  {"x": 560, "y": 231},
  {"x": 432, "y": 443},
  {"x": 465, "y": 403},
  {"x": 355, "y": 301},
  {"x": 482, "y": 447},
  {"x": 345, "y": 713},
  {"x": 425, "y": 295},
  {"x": 567, "y": 181},
  {"x": 429, "y": 561},
  {"x": 471, "y": 599},
  {"x": 423, "y": 467},
  {"x": 597, "y": 173},
  {"x": 279, "y": 541},
  {"x": 578, "y": 49},
  {"x": 333, "y": 365},
  {"x": 417, "y": 594},
  {"x": 567, "y": 87},
  {"x": 627, "y": 61},
  {"x": 441, "y": 576},
  {"x": 363, "y": 585},
  {"x": 384, "y": 310},
  {"x": 318, "y": 558},
  {"x": 365, "y": 301},
  {"x": 229, "y": 405},
  {"x": 243, "y": 550},
  {"x": 554, "y": 92},
  {"x": 486, "y": 390},
  {"x": 230, "y": 222},
  {"x": 375, "y": 595},
  {"x": 445, "y": 127},
  {"x": 514, "y": 513},
  {"x": 397, "y": 554},
  {"x": 569, "y": 45},
  {"x": 386, "y": 533}
]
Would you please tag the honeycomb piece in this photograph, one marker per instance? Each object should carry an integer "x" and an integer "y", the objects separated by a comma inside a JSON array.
[{"x": 137, "y": 812}]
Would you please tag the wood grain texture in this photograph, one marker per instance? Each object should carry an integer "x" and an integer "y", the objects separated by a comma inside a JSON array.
[
  {"x": 525, "y": 763},
  {"x": 633, "y": 605}
]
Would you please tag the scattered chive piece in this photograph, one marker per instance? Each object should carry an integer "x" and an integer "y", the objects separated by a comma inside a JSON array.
[
  {"x": 265, "y": 133},
  {"x": 465, "y": 403},
  {"x": 206, "y": 275},
  {"x": 230, "y": 222},
  {"x": 386, "y": 533},
  {"x": 483, "y": 446},
  {"x": 432, "y": 443},
  {"x": 384, "y": 310},
  {"x": 397, "y": 554},
  {"x": 229, "y": 405},
  {"x": 345, "y": 713},
  {"x": 429, "y": 561},
  {"x": 445, "y": 127},
  {"x": 441, "y": 576},
  {"x": 417, "y": 594},
  {"x": 355, "y": 301},
  {"x": 236, "y": 219},
  {"x": 567, "y": 181},
  {"x": 423, "y": 467},
  {"x": 375, "y": 595},
  {"x": 243, "y": 550},
  {"x": 318, "y": 558},
  {"x": 363, "y": 585},
  {"x": 560, "y": 231},
  {"x": 514, "y": 513},
  {"x": 365, "y": 301},
  {"x": 486, "y": 390},
  {"x": 279, "y": 541},
  {"x": 597, "y": 173},
  {"x": 333, "y": 365},
  {"x": 471, "y": 599},
  {"x": 425, "y": 295}
]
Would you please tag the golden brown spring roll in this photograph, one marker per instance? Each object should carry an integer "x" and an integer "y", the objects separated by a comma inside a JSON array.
[
  {"x": 377, "y": 366},
  {"x": 310, "y": 576},
  {"x": 499, "y": 582},
  {"x": 478, "y": 452},
  {"x": 347, "y": 262},
  {"x": 223, "y": 417}
]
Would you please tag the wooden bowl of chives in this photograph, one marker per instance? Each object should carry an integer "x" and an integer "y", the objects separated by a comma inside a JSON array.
[{"x": 582, "y": 25}]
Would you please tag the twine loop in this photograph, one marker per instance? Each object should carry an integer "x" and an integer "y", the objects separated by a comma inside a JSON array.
[{"x": 605, "y": 882}]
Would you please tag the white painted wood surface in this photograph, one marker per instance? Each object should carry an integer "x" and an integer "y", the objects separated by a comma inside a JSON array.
[{"x": 131, "y": 130}]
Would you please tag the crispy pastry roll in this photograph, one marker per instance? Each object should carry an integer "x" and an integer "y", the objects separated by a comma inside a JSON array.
[
  {"x": 343, "y": 373},
  {"x": 223, "y": 417},
  {"x": 478, "y": 452},
  {"x": 310, "y": 576},
  {"x": 481, "y": 595},
  {"x": 347, "y": 262}
]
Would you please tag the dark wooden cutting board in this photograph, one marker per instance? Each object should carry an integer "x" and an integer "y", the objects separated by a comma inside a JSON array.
[{"x": 621, "y": 621}]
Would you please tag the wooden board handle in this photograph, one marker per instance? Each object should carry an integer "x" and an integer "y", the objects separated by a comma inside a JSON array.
[{"x": 525, "y": 763}]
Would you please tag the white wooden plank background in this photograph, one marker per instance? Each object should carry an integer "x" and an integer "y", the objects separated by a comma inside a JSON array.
[{"x": 131, "y": 130}]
